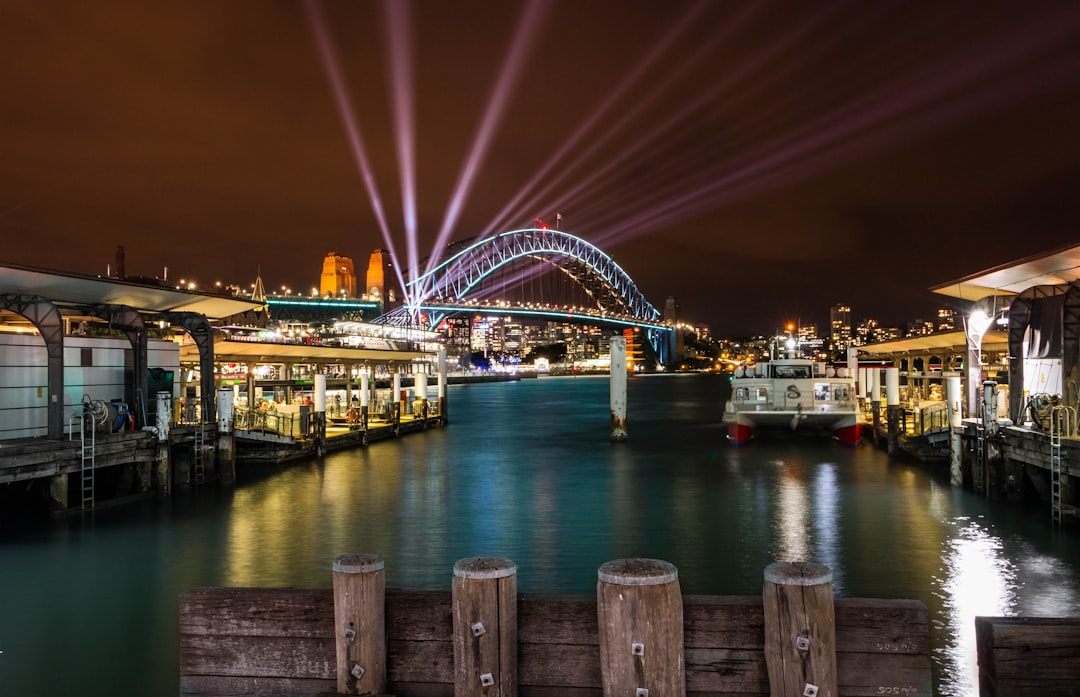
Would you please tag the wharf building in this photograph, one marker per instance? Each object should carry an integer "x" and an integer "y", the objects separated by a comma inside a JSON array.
[
  {"x": 120, "y": 389},
  {"x": 996, "y": 398}
]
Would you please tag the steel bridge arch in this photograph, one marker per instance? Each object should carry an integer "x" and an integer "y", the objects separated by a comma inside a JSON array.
[{"x": 605, "y": 281}]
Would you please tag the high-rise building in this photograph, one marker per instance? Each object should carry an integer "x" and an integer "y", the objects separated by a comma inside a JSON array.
[
  {"x": 338, "y": 277},
  {"x": 946, "y": 320},
  {"x": 839, "y": 327}
]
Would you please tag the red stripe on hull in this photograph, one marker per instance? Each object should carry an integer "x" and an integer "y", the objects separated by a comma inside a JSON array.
[
  {"x": 739, "y": 434},
  {"x": 849, "y": 435}
]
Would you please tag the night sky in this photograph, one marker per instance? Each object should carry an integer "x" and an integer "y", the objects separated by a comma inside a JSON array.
[{"x": 759, "y": 161}]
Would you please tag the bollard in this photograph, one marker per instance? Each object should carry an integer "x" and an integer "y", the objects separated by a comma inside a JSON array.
[
  {"x": 360, "y": 624},
  {"x": 225, "y": 450},
  {"x": 484, "y": 599},
  {"x": 954, "y": 397},
  {"x": 800, "y": 630},
  {"x": 442, "y": 386},
  {"x": 640, "y": 614},
  {"x": 893, "y": 412},
  {"x": 618, "y": 389}
]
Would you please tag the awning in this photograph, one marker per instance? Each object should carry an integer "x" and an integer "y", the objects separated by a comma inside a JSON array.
[
  {"x": 62, "y": 287},
  {"x": 946, "y": 342},
  {"x": 226, "y": 351},
  {"x": 1058, "y": 267}
]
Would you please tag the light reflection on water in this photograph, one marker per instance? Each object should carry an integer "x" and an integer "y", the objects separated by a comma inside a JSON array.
[{"x": 527, "y": 471}]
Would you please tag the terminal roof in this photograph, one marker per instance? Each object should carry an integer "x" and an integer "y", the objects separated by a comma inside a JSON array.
[
  {"x": 943, "y": 342},
  {"x": 64, "y": 287},
  {"x": 226, "y": 351},
  {"x": 1056, "y": 267}
]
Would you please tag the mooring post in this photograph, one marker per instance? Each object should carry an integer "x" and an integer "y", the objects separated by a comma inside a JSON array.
[
  {"x": 365, "y": 397},
  {"x": 640, "y": 614},
  {"x": 954, "y": 397},
  {"x": 399, "y": 400},
  {"x": 442, "y": 386},
  {"x": 875, "y": 400},
  {"x": 893, "y": 411},
  {"x": 360, "y": 624},
  {"x": 163, "y": 455},
  {"x": 992, "y": 477},
  {"x": 320, "y": 414},
  {"x": 618, "y": 389},
  {"x": 420, "y": 380},
  {"x": 800, "y": 630},
  {"x": 225, "y": 452},
  {"x": 484, "y": 599}
]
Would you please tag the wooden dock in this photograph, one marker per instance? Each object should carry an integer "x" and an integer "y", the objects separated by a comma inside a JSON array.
[
  {"x": 1028, "y": 656},
  {"x": 247, "y": 641}
]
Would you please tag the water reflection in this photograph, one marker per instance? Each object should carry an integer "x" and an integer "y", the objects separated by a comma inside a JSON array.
[{"x": 977, "y": 580}]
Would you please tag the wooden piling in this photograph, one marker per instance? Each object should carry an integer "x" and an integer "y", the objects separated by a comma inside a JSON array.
[
  {"x": 484, "y": 599},
  {"x": 800, "y": 630},
  {"x": 640, "y": 616},
  {"x": 360, "y": 624}
]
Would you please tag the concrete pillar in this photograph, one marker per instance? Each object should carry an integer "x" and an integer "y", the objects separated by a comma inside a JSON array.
[
  {"x": 225, "y": 452},
  {"x": 58, "y": 494},
  {"x": 365, "y": 398},
  {"x": 420, "y": 380},
  {"x": 320, "y": 414},
  {"x": 397, "y": 398},
  {"x": 442, "y": 385},
  {"x": 163, "y": 455},
  {"x": 618, "y": 389},
  {"x": 875, "y": 399},
  {"x": 893, "y": 413},
  {"x": 954, "y": 397}
]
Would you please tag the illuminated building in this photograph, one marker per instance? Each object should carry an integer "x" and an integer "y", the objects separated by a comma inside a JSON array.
[
  {"x": 379, "y": 278},
  {"x": 338, "y": 279},
  {"x": 946, "y": 320},
  {"x": 839, "y": 327}
]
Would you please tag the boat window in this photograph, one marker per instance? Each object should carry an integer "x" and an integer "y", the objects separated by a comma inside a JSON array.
[
  {"x": 821, "y": 391},
  {"x": 742, "y": 394},
  {"x": 762, "y": 394},
  {"x": 793, "y": 371},
  {"x": 841, "y": 393}
]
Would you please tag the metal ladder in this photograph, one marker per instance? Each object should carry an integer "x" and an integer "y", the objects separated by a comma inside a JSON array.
[
  {"x": 89, "y": 449},
  {"x": 199, "y": 459},
  {"x": 1062, "y": 421}
]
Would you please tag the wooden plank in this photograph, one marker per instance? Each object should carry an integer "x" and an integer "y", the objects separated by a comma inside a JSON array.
[
  {"x": 1028, "y": 656},
  {"x": 295, "y": 612},
  {"x": 258, "y": 656},
  {"x": 221, "y": 686}
]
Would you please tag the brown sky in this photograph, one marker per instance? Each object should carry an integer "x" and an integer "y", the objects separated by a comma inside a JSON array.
[{"x": 774, "y": 158}]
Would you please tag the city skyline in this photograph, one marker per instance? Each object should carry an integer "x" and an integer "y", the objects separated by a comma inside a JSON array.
[{"x": 759, "y": 162}]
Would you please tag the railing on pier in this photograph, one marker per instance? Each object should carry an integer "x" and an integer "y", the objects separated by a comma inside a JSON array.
[{"x": 294, "y": 425}]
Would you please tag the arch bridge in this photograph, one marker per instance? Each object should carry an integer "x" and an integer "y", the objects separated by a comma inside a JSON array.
[{"x": 479, "y": 275}]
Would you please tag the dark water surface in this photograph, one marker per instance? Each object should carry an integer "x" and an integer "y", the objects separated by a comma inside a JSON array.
[{"x": 526, "y": 471}]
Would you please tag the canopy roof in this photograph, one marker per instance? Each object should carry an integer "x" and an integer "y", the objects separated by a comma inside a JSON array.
[
  {"x": 944, "y": 342},
  {"x": 64, "y": 287},
  {"x": 1056, "y": 267},
  {"x": 226, "y": 351}
]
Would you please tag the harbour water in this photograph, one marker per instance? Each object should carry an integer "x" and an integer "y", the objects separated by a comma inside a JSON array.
[{"x": 526, "y": 470}]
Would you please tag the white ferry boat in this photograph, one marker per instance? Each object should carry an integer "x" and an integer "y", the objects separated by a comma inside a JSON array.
[{"x": 793, "y": 394}]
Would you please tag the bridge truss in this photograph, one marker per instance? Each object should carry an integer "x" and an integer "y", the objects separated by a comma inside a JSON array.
[{"x": 456, "y": 282}]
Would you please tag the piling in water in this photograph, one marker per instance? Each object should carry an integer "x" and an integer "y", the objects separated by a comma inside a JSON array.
[{"x": 618, "y": 388}]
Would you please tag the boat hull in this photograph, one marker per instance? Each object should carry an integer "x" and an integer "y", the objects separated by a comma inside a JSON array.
[{"x": 743, "y": 427}]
